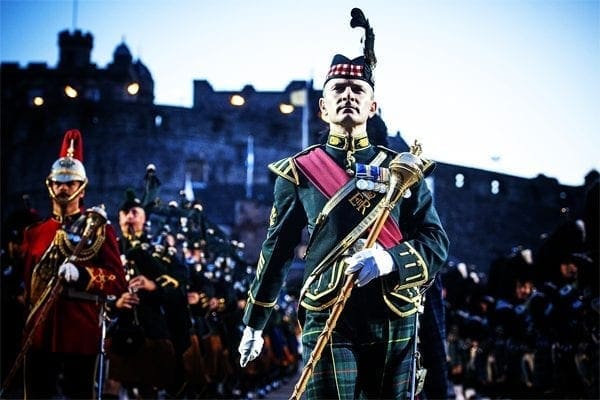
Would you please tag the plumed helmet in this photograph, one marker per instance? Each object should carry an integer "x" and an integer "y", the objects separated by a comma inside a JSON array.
[{"x": 69, "y": 166}]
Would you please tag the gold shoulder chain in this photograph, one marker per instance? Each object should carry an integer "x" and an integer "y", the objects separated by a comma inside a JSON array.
[{"x": 67, "y": 248}]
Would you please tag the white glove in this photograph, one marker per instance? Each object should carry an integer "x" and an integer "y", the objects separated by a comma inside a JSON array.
[
  {"x": 369, "y": 263},
  {"x": 250, "y": 345},
  {"x": 68, "y": 272}
]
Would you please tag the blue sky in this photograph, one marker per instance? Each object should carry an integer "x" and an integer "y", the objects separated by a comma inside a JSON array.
[{"x": 511, "y": 86}]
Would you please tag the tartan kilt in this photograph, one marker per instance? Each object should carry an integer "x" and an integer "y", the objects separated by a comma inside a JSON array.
[
  {"x": 152, "y": 364},
  {"x": 369, "y": 355},
  {"x": 193, "y": 363}
]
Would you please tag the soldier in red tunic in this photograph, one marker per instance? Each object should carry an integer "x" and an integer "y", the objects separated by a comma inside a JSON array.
[{"x": 80, "y": 258}]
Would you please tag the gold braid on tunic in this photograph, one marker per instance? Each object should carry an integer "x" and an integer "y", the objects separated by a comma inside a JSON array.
[{"x": 61, "y": 248}]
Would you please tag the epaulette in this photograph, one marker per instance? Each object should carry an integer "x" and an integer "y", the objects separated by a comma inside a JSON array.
[
  {"x": 429, "y": 164},
  {"x": 286, "y": 167}
]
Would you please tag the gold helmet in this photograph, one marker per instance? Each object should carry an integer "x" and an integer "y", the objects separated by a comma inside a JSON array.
[{"x": 69, "y": 167}]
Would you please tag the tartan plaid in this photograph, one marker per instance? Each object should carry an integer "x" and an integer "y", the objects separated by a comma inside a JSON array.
[
  {"x": 345, "y": 70},
  {"x": 365, "y": 358}
]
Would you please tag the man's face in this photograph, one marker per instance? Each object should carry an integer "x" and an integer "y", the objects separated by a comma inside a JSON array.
[
  {"x": 568, "y": 270},
  {"x": 133, "y": 220},
  {"x": 347, "y": 102},
  {"x": 63, "y": 190},
  {"x": 523, "y": 289}
]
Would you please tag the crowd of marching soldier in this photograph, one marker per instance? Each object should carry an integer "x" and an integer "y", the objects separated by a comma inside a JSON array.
[
  {"x": 163, "y": 347},
  {"x": 527, "y": 329},
  {"x": 213, "y": 275}
]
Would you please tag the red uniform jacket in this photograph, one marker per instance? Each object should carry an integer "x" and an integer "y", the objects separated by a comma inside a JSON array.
[{"x": 72, "y": 325}]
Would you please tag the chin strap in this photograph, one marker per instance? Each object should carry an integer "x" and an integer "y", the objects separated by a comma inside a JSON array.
[{"x": 70, "y": 198}]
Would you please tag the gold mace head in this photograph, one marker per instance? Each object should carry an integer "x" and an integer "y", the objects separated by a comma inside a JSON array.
[
  {"x": 406, "y": 169},
  {"x": 95, "y": 216}
]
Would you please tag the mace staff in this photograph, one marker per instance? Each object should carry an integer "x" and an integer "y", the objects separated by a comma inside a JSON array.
[
  {"x": 96, "y": 217},
  {"x": 406, "y": 169}
]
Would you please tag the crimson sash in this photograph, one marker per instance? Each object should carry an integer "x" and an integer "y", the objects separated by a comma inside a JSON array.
[{"x": 328, "y": 177}]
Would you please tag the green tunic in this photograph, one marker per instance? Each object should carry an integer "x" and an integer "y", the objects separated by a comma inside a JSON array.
[{"x": 297, "y": 204}]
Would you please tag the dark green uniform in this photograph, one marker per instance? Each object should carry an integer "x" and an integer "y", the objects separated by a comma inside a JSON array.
[
  {"x": 154, "y": 360},
  {"x": 370, "y": 351}
]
